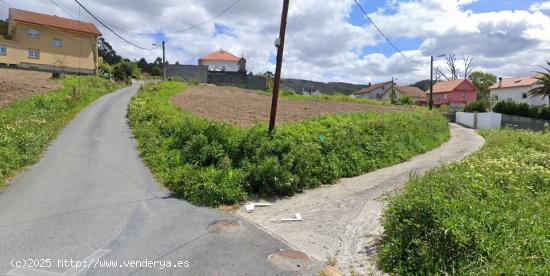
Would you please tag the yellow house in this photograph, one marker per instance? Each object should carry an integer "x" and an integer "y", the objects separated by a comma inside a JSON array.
[{"x": 50, "y": 43}]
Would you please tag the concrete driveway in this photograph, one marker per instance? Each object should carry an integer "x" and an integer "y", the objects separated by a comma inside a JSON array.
[
  {"x": 342, "y": 221},
  {"x": 91, "y": 198}
]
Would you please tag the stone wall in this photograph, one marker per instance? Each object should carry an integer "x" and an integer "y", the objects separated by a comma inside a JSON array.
[
  {"x": 197, "y": 73},
  {"x": 236, "y": 79}
]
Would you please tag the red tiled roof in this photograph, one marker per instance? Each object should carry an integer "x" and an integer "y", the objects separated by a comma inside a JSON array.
[
  {"x": 515, "y": 82},
  {"x": 220, "y": 55},
  {"x": 371, "y": 88},
  {"x": 447, "y": 86},
  {"x": 412, "y": 91},
  {"x": 53, "y": 21}
]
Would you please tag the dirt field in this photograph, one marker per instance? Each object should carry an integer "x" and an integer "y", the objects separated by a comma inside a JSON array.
[
  {"x": 19, "y": 84},
  {"x": 245, "y": 107}
]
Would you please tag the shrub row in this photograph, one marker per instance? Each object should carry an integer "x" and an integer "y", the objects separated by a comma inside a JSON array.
[
  {"x": 523, "y": 109},
  {"x": 211, "y": 163},
  {"x": 28, "y": 125},
  {"x": 485, "y": 215},
  {"x": 478, "y": 106}
]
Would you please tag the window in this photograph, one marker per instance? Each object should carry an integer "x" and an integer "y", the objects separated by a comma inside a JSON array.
[
  {"x": 3, "y": 50},
  {"x": 524, "y": 95},
  {"x": 32, "y": 33},
  {"x": 34, "y": 53},
  {"x": 57, "y": 43},
  {"x": 445, "y": 97}
]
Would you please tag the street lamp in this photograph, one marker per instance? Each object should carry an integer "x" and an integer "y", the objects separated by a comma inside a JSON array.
[
  {"x": 163, "y": 59},
  {"x": 431, "y": 101}
]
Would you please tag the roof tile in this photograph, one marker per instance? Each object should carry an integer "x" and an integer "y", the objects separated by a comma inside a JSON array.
[
  {"x": 53, "y": 21},
  {"x": 220, "y": 55}
]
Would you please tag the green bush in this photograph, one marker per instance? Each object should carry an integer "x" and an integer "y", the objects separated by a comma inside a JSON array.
[
  {"x": 485, "y": 215},
  {"x": 126, "y": 70},
  {"x": 26, "y": 126},
  {"x": 479, "y": 106},
  {"x": 406, "y": 100},
  {"x": 211, "y": 163},
  {"x": 523, "y": 109}
]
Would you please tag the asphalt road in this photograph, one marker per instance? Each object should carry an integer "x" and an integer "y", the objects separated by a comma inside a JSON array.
[{"x": 91, "y": 197}]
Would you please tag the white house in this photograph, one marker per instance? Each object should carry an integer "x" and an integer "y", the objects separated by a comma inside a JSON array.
[
  {"x": 374, "y": 91},
  {"x": 516, "y": 89},
  {"x": 223, "y": 61}
]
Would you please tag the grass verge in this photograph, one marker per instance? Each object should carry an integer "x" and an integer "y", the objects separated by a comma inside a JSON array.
[
  {"x": 487, "y": 214},
  {"x": 210, "y": 163},
  {"x": 28, "y": 125}
]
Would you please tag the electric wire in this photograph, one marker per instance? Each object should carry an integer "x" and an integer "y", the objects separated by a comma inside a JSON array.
[{"x": 110, "y": 29}]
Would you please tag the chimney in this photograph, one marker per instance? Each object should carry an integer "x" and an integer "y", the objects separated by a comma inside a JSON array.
[{"x": 500, "y": 82}]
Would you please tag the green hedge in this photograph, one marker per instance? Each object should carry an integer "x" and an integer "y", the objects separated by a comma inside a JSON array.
[
  {"x": 485, "y": 215},
  {"x": 28, "y": 125},
  {"x": 479, "y": 106},
  {"x": 523, "y": 109},
  {"x": 211, "y": 163}
]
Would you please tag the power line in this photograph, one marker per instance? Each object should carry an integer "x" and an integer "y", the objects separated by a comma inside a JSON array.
[
  {"x": 63, "y": 9},
  {"x": 108, "y": 28},
  {"x": 197, "y": 25},
  {"x": 380, "y": 31},
  {"x": 8, "y": 5}
]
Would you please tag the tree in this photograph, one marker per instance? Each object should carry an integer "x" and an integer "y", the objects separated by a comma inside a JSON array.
[
  {"x": 423, "y": 85},
  {"x": 544, "y": 89},
  {"x": 125, "y": 70},
  {"x": 4, "y": 29},
  {"x": 482, "y": 81},
  {"x": 453, "y": 69},
  {"x": 107, "y": 52}
]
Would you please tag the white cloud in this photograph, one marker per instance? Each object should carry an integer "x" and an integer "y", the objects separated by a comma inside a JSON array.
[
  {"x": 321, "y": 43},
  {"x": 540, "y": 6}
]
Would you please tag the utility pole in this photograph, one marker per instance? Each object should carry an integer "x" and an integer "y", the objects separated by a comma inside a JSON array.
[
  {"x": 280, "y": 44},
  {"x": 163, "y": 61},
  {"x": 431, "y": 100},
  {"x": 392, "y": 91}
]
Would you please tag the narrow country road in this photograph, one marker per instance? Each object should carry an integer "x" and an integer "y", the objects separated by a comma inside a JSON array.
[{"x": 92, "y": 197}]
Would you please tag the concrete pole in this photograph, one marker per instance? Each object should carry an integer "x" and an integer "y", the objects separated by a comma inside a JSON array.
[
  {"x": 431, "y": 100},
  {"x": 163, "y": 61}
]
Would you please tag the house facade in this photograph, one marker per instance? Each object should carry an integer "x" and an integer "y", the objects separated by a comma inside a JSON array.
[
  {"x": 223, "y": 61},
  {"x": 49, "y": 43},
  {"x": 454, "y": 93},
  {"x": 374, "y": 91},
  {"x": 418, "y": 96},
  {"x": 517, "y": 89}
]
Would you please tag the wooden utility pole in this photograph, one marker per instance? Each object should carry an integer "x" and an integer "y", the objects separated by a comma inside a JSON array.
[{"x": 280, "y": 50}]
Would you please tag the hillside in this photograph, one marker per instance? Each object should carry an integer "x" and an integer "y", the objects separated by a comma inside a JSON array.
[{"x": 330, "y": 88}]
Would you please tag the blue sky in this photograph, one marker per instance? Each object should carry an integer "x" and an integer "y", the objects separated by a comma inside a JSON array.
[{"x": 357, "y": 18}]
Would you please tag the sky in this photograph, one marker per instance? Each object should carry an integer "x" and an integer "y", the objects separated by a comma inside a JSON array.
[{"x": 328, "y": 40}]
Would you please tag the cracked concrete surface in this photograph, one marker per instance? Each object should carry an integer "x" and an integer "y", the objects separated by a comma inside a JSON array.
[{"x": 343, "y": 220}]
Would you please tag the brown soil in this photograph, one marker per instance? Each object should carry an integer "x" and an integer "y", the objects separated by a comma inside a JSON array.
[
  {"x": 19, "y": 84},
  {"x": 246, "y": 107}
]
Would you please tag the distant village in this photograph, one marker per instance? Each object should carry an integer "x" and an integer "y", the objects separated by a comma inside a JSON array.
[{"x": 43, "y": 42}]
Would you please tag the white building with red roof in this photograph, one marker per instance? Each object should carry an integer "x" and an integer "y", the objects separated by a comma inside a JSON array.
[
  {"x": 221, "y": 60},
  {"x": 517, "y": 89}
]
